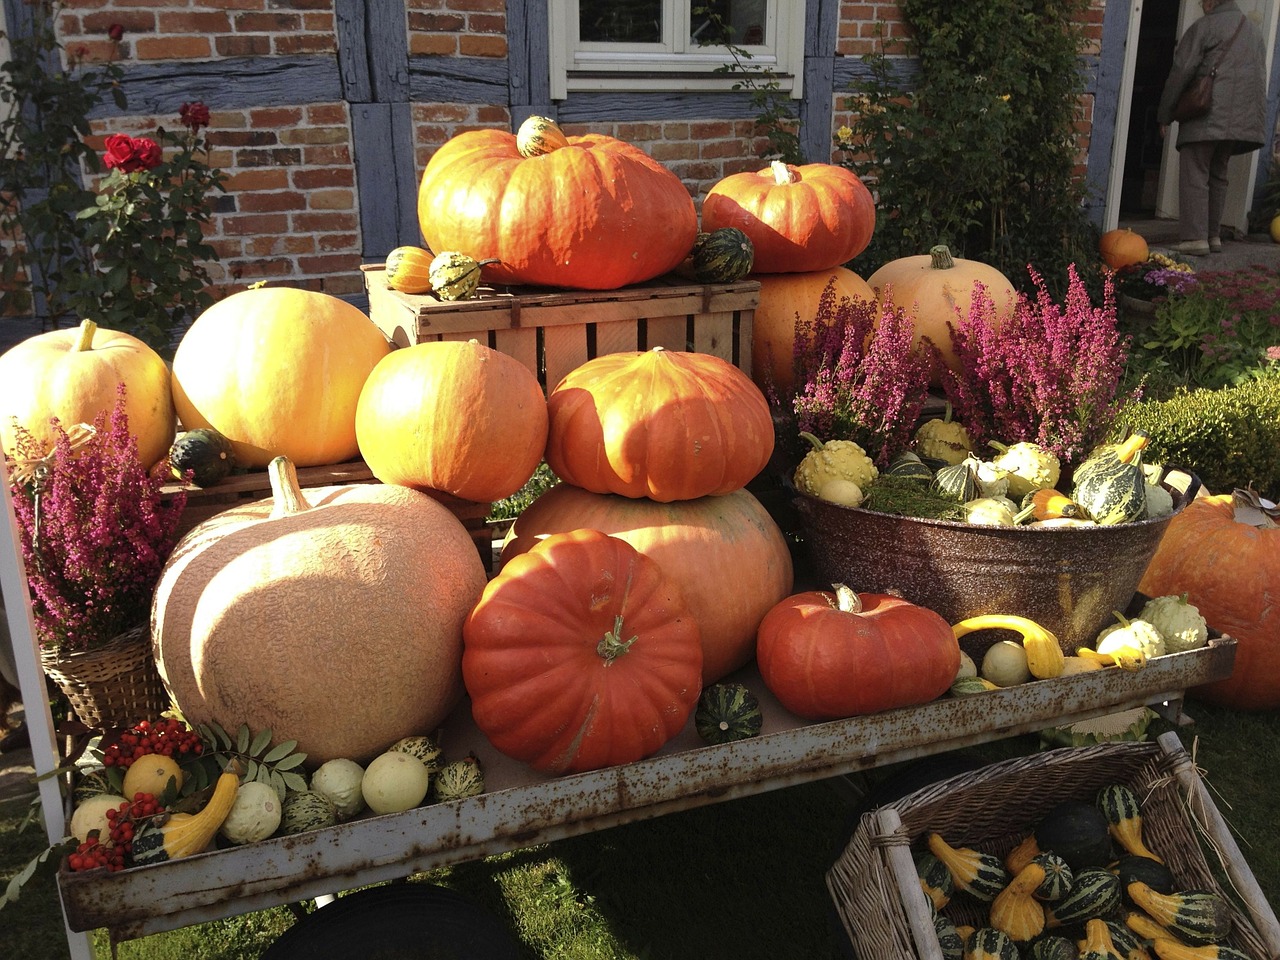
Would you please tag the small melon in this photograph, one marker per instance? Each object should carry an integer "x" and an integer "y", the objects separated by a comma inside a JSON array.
[
  {"x": 394, "y": 781},
  {"x": 255, "y": 814},
  {"x": 339, "y": 779},
  {"x": 1005, "y": 664},
  {"x": 426, "y": 749},
  {"x": 306, "y": 810},
  {"x": 92, "y": 815},
  {"x": 152, "y": 774}
]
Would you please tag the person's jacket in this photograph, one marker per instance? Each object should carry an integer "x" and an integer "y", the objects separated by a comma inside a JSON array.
[{"x": 1239, "y": 90}]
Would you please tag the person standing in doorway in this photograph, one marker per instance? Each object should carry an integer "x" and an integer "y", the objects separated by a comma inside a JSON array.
[{"x": 1223, "y": 39}]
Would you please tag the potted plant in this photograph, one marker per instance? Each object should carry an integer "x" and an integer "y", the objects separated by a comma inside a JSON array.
[
  {"x": 95, "y": 532},
  {"x": 1142, "y": 285}
]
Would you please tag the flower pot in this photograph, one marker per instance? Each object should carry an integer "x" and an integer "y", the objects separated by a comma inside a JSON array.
[
  {"x": 1144, "y": 308},
  {"x": 111, "y": 686}
]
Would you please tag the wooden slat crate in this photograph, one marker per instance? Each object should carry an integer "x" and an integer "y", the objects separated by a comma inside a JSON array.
[{"x": 554, "y": 331}]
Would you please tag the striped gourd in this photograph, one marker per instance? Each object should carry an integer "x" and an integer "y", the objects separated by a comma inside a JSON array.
[
  {"x": 1127, "y": 943},
  {"x": 935, "y": 879},
  {"x": 958, "y": 482},
  {"x": 1197, "y": 916},
  {"x": 979, "y": 874},
  {"x": 538, "y": 136},
  {"x": 1097, "y": 944},
  {"x": 1094, "y": 894},
  {"x": 1015, "y": 910},
  {"x": 1052, "y": 947},
  {"x": 1058, "y": 877},
  {"x": 722, "y": 256},
  {"x": 1111, "y": 486},
  {"x": 988, "y": 943},
  {"x": 409, "y": 270},
  {"x": 907, "y": 464},
  {"x": 1119, "y": 804},
  {"x": 456, "y": 276},
  {"x": 949, "y": 939}
]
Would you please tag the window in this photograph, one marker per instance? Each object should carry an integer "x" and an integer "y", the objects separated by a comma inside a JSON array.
[{"x": 671, "y": 44}]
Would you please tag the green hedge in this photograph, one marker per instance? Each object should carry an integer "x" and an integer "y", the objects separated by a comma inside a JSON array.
[{"x": 1230, "y": 437}]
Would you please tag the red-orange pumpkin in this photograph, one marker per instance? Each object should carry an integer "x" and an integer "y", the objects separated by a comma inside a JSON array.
[
  {"x": 728, "y": 555},
  {"x": 581, "y": 654},
  {"x": 1229, "y": 570},
  {"x": 662, "y": 424},
  {"x": 452, "y": 416},
  {"x": 595, "y": 214},
  {"x": 799, "y": 219},
  {"x": 827, "y": 656},
  {"x": 784, "y": 299},
  {"x": 1122, "y": 248}
]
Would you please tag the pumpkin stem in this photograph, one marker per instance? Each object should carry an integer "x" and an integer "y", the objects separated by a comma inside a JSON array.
[
  {"x": 85, "y": 342},
  {"x": 806, "y": 435},
  {"x": 940, "y": 257},
  {"x": 783, "y": 173},
  {"x": 612, "y": 645},
  {"x": 286, "y": 494},
  {"x": 847, "y": 599}
]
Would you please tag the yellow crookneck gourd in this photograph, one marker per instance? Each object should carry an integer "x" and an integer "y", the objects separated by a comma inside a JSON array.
[
  {"x": 183, "y": 834},
  {"x": 1044, "y": 653}
]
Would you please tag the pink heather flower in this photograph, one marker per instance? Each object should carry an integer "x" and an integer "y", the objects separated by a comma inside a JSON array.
[
  {"x": 194, "y": 115},
  {"x": 1273, "y": 353}
]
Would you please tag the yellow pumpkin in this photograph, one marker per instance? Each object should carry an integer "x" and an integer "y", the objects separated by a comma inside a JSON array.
[
  {"x": 783, "y": 297},
  {"x": 1122, "y": 247},
  {"x": 74, "y": 375},
  {"x": 332, "y": 617},
  {"x": 452, "y": 416},
  {"x": 1275, "y": 228},
  {"x": 936, "y": 289},
  {"x": 278, "y": 372}
]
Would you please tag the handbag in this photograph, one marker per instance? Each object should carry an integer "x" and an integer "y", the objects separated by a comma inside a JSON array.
[{"x": 1197, "y": 98}]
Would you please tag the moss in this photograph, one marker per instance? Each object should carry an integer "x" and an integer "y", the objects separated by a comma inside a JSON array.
[{"x": 1229, "y": 438}]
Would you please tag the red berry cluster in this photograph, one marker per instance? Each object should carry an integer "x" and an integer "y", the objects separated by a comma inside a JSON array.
[
  {"x": 121, "y": 825},
  {"x": 166, "y": 736}
]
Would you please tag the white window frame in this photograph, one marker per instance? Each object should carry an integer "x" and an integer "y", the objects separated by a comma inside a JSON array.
[{"x": 675, "y": 64}]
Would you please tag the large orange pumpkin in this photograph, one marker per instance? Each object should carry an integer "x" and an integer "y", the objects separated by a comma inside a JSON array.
[
  {"x": 74, "y": 375},
  {"x": 1229, "y": 570},
  {"x": 936, "y": 289},
  {"x": 581, "y": 654},
  {"x": 332, "y": 617},
  {"x": 726, "y": 553},
  {"x": 799, "y": 219},
  {"x": 830, "y": 655},
  {"x": 663, "y": 424},
  {"x": 278, "y": 372},
  {"x": 784, "y": 299},
  {"x": 1122, "y": 248},
  {"x": 454, "y": 416},
  {"x": 594, "y": 213}
]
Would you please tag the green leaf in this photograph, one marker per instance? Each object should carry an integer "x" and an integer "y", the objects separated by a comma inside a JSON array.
[
  {"x": 280, "y": 751},
  {"x": 291, "y": 762},
  {"x": 294, "y": 781},
  {"x": 260, "y": 743},
  {"x": 253, "y": 770},
  {"x": 242, "y": 738}
]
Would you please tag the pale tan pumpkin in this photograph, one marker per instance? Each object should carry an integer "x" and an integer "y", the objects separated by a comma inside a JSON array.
[
  {"x": 278, "y": 372},
  {"x": 74, "y": 375},
  {"x": 333, "y": 618}
]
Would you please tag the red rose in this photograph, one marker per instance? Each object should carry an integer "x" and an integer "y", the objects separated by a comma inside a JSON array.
[
  {"x": 115, "y": 32},
  {"x": 128, "y": 154},
  {"x": 194, "y": 115}
]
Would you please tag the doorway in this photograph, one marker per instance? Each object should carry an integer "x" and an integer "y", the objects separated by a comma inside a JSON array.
[{"x": 1157, "y": 37}]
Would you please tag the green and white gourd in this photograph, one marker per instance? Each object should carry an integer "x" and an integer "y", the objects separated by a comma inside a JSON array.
[
  {"x": 306, "y": 810},
  {"x": 727, "y": 712},
  {"x": 458, "y": 780},
  {"x": 1111, "y": 485},
  {"x": 725, "y": 255}
]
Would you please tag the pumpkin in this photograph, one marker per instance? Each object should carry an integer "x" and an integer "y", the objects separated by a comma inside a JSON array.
[
  {"x": 1228, "y": 569},
  {"x": 799, "y": 218},
  {"x": 1275, "y": 228},
  {"x": 727, "y": 553},
  {"x": 74, "y": 375},
  {"x": 278, "y": 372},
  {"x": 662, "y": 424},
  {"x": 409, "y": 270},
  {"x": 784, "y": 299},
  {"x": 1122, "y": 248},
  {"x": 581, "y": 654},
  {"x": 830, "y": 655},
  {"x": 270, "y": 613},
  {"x": 936, "y": 289},
  {"x": 593, "y": 214},
  {"x": 454, "y": 416}
]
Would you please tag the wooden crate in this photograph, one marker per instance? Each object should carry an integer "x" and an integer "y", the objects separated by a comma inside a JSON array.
[{"x": 554, "y": 331}]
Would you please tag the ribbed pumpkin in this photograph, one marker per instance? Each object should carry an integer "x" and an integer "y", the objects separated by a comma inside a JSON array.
[
  {"x": 727, "y": 554},
  {"x": 581, "y": 654},
  {"x": 278, "y": 372},
  {"x": 454, "y": 416},
  {"x": 408, "y": 269},
  {"x": 1122, "y": 248},
  {"x": 272, "y": 613},
  {"x": 831, "y": 655},
  {"x": 662, "y": 424},
  {"x": 594, "y": 214},
  {"x": 799, "y": 218},
  {"x": 932, "y": 287},
  {"x": 784, "y": 298},
  {"x": 1229, "y": 570},
  {"x": 74, "y": 375}
]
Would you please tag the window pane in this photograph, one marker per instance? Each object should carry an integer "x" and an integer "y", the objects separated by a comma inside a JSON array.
[
  {"x": 620, "y": 21},
  {"x": 740, "y": 22}
]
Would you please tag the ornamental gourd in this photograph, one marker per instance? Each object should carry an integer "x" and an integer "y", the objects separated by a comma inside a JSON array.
[
  {"x": 937, "y": 289},
  {"x": 662, "y": 424},
  {"x": 593, "y": 213},
  {"x": 831, "y": 655},
  {"x": 722, "y": 256},
  {"x": 800, "y": 218},
  {"x": 454, "y": 416},
  {"x": 1228, "y": 568},
  {"x": 581, "y": 654},
  {"x": 269, "y": 614},
  {"x": 727, "y": 553},
  {"x": 278, "y": 372},
  {"x": 74, "y": 375},
  {"x": 408, "y": 269}
]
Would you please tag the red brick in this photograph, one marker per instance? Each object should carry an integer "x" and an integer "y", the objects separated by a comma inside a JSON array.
[
  {"x": 324, "y": 222},
  {"x": 480, "y": 23},
  {"x": 304, "y": 43},
  {"x": 346, "y": 284},
  {"x": 275, "y": 117},
  {"x": 133, "y": 21},
  {"x": 243, "y": 45},
  {"x": 330, "y": 265},
  {"x": 173, "y": 48},
  {"x": 263, "y": 178},
  {"x": 331, "y": 200},
  {"x": 633, "y": 132},
  {"x": 193, "y": 22},
  {"x": 665, "y": 151},
  {"x": 491, "y": 6},
  {"x": 322, "y": 155},
  {"x": 436, "y": 23},
  {"x": 328, "y": 243},
  {"x": 255, "y": 224},
  {"x": 301, "y": 135},
  {"x": 334, "y": 113},
  {"x": 282, "y": 200},
  {"x": 472, "y": 45},
  {"x": 710, "y": 129},
  {"x": 247, "y": 138},
  {"x": 266, "y": 158},
  {"x": 494, "y": 116},
  {"x": 308, "y": 179},
  {"x": 432, "y": 45},
  {"x": 267, "y": 22},
  {"x": 257, "y": 269},
  {"x": 303, "y": 4}
]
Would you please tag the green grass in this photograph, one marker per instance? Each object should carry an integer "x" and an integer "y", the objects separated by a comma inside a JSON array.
[{"x": 743, "y": 878}]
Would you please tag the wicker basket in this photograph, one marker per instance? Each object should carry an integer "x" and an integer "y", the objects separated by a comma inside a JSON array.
[
  {"x": 111, "y": 686},
  {"x": 877, "y": 892}
]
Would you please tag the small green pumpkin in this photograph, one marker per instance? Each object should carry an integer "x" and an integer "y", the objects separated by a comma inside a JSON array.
[
  {"x": 1058, "y": 877},
  {"x": 1094, "y": 894},
  {"x": 456, "y": 276},
  {"x": 205, "y": 452},
  {"x": 910, "y": 466},
  {"x": 957, "y": 482},
  {"x": 722, "y": 256},
  {"x": 726, "y": 712},
  {"x": 1111, "y": 486},
  {"x": 935, "y": 879}
]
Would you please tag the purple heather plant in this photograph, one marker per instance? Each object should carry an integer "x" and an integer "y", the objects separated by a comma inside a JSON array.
[
  {"x": 94, "y": 530},
  {"x": 859, "y": 374},
  {"x": 1051, "y": 374}
]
